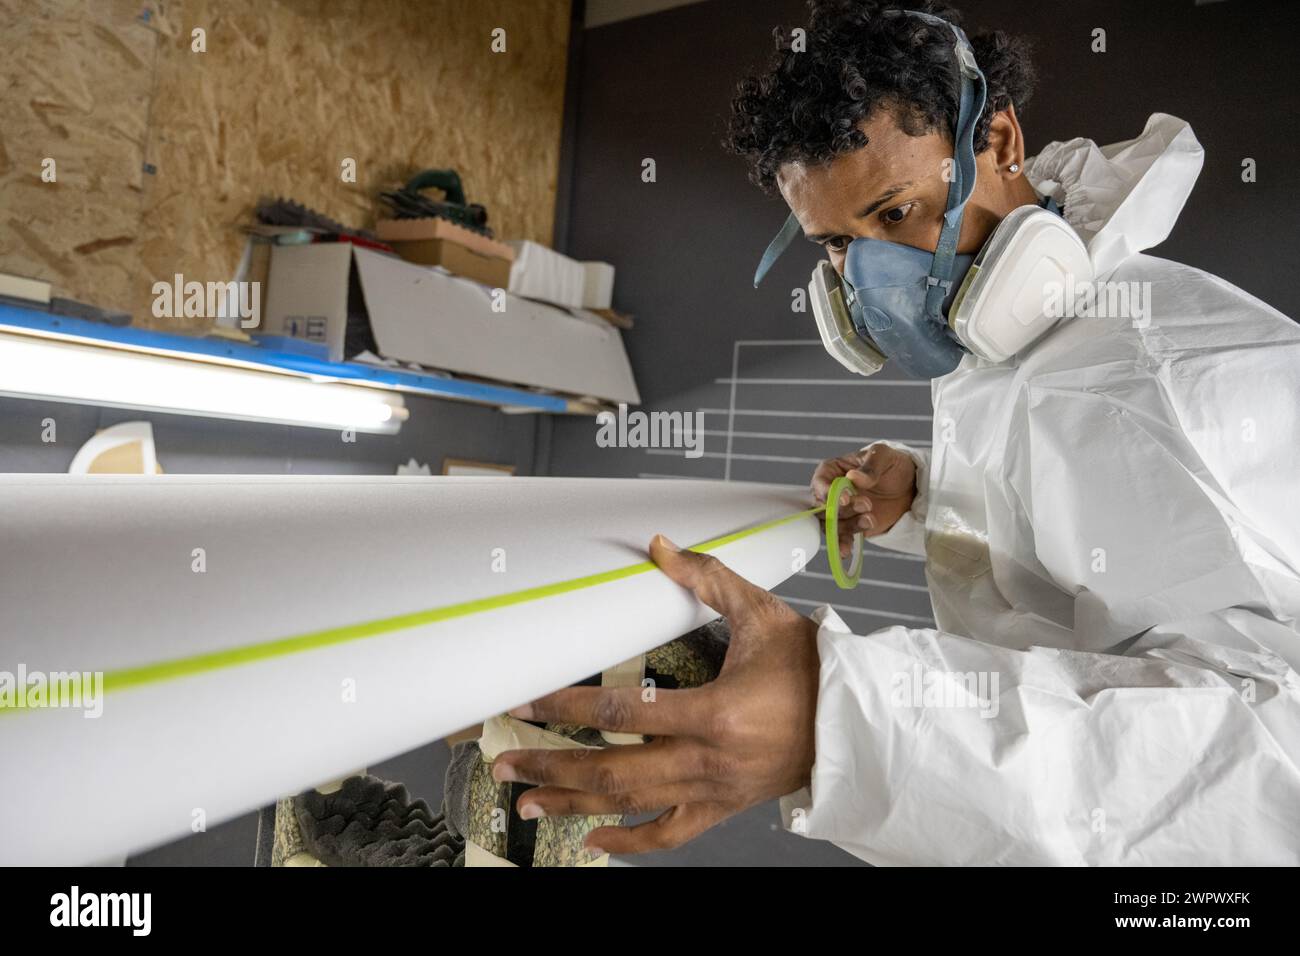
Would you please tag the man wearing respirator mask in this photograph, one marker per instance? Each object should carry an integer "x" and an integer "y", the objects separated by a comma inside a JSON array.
[{"x": 1108, "y": 513}]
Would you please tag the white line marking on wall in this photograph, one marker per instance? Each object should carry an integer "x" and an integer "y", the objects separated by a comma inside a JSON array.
[
  {"x": 861, "y": 610},
  {"x": 735, "y": 456},
  {"x": 778, "y": 341},
  {"x": 734, "y": 380},
  {"x": 873, "y": 581},
  {"x": 870, "y": 550},
  {"x": 862, "y": 416},
  {"x": 792, "y": 436}
]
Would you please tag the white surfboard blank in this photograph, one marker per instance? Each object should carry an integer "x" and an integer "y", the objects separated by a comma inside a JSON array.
[{"x": 261, "y": 635}]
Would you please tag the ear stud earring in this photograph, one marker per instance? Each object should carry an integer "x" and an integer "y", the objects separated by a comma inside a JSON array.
[{"x": 1014, "y": 167}]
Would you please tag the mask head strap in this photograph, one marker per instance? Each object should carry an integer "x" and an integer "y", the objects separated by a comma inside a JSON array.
[
  {"x": 780, "y": 242},
  {"x": 973, "y": 93}
]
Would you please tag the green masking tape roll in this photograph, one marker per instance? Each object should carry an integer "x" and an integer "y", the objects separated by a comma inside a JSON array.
[{"x": 847, "y": 581}]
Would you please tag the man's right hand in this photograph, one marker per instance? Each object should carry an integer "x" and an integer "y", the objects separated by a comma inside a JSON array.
[{"x": 885, "y": 479}]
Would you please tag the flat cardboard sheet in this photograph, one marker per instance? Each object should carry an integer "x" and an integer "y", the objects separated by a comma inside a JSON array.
[{"x": 443, "y": 321}]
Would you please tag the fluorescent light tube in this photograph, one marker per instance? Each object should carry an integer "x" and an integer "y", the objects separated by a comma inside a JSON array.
[{"x": 62, "y": 371}]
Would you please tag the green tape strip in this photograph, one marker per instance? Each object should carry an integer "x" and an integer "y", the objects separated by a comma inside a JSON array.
[
  {"x": 163, "y": 671},
  {"x": 846, "y": 580}
]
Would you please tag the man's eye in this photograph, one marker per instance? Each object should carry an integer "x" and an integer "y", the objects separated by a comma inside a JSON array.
[
  {"x": 892, "y": 217},
  {"x": 836, "y": 244}
]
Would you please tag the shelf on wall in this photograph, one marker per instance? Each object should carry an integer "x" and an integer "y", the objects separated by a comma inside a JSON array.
[{"x": 218, "y": 351}]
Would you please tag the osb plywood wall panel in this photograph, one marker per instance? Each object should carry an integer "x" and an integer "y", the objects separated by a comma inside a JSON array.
[
  {"x": 77, "y": 79},
  {"x": 285, "y": 91}
]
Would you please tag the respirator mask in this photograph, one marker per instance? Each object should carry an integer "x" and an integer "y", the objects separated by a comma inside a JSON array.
[{"x": 926, "y": 310}]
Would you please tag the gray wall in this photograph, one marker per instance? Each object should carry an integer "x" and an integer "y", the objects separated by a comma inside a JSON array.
[{"x": 685, "y": 246}]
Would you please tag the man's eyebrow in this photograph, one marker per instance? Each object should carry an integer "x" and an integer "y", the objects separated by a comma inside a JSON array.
[
  {"x": 879, "y": 201},
  {"x": 884, "y": 197}
]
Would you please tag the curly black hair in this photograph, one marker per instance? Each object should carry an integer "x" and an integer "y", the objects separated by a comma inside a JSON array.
[{"x": 861, "y": 55}]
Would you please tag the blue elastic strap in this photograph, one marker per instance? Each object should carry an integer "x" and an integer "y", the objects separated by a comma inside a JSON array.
[
  {"x": 780, "y": 242},
  {"x": 973, "y": 93}
]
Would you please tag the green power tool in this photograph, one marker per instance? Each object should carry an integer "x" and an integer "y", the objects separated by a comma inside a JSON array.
[{"x": 410, "y": 203}]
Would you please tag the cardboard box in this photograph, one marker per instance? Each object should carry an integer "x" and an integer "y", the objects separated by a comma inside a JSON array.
[
  {"x": 409, "y": 230},
  {"x": 324, "y": 292},
  {"x": 307, "y": 297},
  {"x": 452, "y": 256}
]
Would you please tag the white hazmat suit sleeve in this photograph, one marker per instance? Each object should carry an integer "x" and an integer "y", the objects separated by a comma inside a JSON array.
[{"x": 936, "y": 749}]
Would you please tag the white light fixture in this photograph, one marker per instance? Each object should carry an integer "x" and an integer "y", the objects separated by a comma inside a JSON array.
[{"x": 63, "y": 371}]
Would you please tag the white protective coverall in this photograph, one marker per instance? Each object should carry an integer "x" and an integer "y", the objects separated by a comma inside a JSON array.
[{"x": 1111, "y": 526}]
